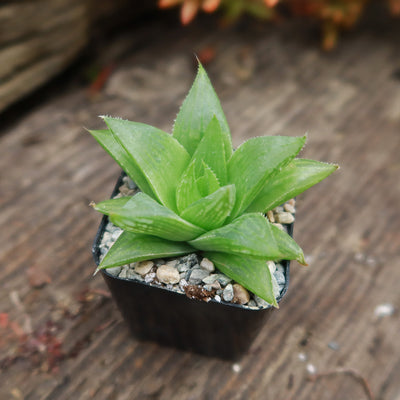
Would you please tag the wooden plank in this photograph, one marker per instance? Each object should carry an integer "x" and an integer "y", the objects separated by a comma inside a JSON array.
[{"x": 348, "y": 225}]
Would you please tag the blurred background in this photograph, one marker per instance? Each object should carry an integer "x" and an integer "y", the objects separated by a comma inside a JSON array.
[{"x": 327, "y": 67}]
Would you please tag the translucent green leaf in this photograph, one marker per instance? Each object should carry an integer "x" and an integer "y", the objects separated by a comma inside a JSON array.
[
  {"x": 210, "y": 212},
  {"x": 256, "y": 161},
  {"x": 187, "y": 191},
  {"x": 142, "y": 214},
  {"x": 111, "y": 205},
  {"x": 106, "y": 139},
  {"x": 198, "y": 109},
  {"x": 131, "y": 247},
  {"x": 252, "y": 273},
  {"x": 292, "y": 180},
  {"x": 208, "y": 183},
  {"x": 288, "y": 248},
  {"x": 211, "y": 151},
  {"x": 159, "y": 157},
  {"x": 250, "y": 234}
]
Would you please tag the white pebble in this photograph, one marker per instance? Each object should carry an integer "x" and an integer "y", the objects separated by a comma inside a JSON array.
[
  {"x": 311, "y": 369},
  {"x": 236, "y": 368},
  {"x": 302, "y": 357},
  {"x": 217, "y": 298},
  {"x": 284, "y": 218},
  {"x": 384, "y": 310},
  {"x": 143, "y": 267},
  {"x": 167, "y": 274},
  {"x": 271, "y": 266},
  {"x": 289, "y": 208},
  {"x": 207, "y": 265}
]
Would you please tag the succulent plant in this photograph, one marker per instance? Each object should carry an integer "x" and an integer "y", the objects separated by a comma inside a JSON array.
[{"x": 199, "y": 195}]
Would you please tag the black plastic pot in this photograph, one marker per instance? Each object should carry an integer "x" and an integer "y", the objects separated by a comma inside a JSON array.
[{"x": 155, "y": 313}]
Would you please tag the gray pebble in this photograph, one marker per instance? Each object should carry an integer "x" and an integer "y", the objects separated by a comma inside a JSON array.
[
  {"x": 260, "y": 302},
  {"x": 207, "y": 265},
  {"x": 227, "y": 294},
  {"x": 183, "y": 267},
  {"x": 210, "y": 279},
  {"x": 280, "y": 277},
  {"x": 223, "y": 279},
  {"x": 114, "y": 271},
  {"x": 197, "y": 275},
  {"x": 150, "y": 277}
]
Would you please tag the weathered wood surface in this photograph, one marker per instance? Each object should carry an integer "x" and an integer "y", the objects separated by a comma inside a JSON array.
[
  {"x": 40, "y": 38},
  {"x": 76, "y": 345}
]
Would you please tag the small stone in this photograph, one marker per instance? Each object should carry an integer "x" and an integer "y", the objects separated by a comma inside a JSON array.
[
  {"x": 292, "y": 202},
  {"x": 124, "y": 272},
  {"x": 240, "y": 294},
  {"x": 270, "y": 216},
  {"x": 182, "y": 284},
  {"x": 289, "y": 208},
  {"x": 116, "y": 234},
  {"x": 236, "y": 368},
  {"x": 261, "y": 302},
  {"x": 280, "y": 277},
  {"x": 284, "y": 218},
  {"x": 144, "y": 267},
  {"x": 114, "y": 271},
  {"x": 172, "y": 263},
  {"x": 334, "y": 346},
  {"x": 280, "y": 226},
  {"x": 384, "y": 310},
  {"x": 149, "y": 278},
  {"x": 208, "y": 288},
  {"x": 311, "y": 369},
  {"x": 197, "y": 275},
  {"x": 133, "y": 275},
  {"x": 275, "y": 286},
  {"x": 190, "y": 259},
  {"x": 278, "y": 209},
  {"x": 223, "y": 279},
  {"x": 183, "y": 267},
  {"x": 168, "y": 274},
  {"x": 227, "y": 294},
  {"x": 217, "y": 298},
  {"x": 210, "y": 279},
  {"x": 252, "y": 303},
  {"x": 302, "y": 357},
  {"x": 272, "y": 267},
  {"x": 207, "y": 265},
  {"x": 280, "y": 268}
]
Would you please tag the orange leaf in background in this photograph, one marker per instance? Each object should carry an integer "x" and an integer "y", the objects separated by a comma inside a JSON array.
[
  {"x": 394, "y": 6},
  {"x": 188, "y": 11},
  {"x": 168, "y": 3},
  {"x": 271, "y": 3},
  {"x": 3, "y": 320},
  {"x": 210, "y": 5}
]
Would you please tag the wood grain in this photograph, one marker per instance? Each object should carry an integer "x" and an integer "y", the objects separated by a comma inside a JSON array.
[{"x": 270, "y": 82}]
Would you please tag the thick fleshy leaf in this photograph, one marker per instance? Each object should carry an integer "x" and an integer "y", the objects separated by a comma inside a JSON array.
[
  {"x": 198, "y": 109},
  {"x": 142, "y": 214},
  {"x": 292, "y": 180},
  {"x": 187, "y": 191},
  {"x": 210, "y": 212},
  {"x": 208, "y": 183},
  {"x": 250, "y": 234},
  {"x": 211, "y": 150},
  {"x": 111, "y": 205},
  {"x": 256, "y": 161},
  {"x": 131, "y": 247},
  {"x": 107, "y": 140},
  {"x": 252, "y": 273},
  {"x": 160, "y": 158},
  {"x": 288, "y": 248}
]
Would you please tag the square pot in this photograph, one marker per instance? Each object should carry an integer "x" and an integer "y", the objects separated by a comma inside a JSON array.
[{"x": 154, "y": 313}]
